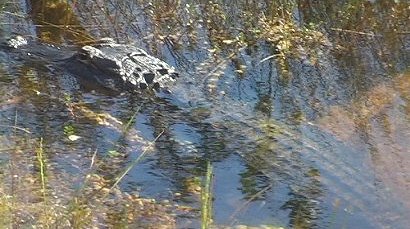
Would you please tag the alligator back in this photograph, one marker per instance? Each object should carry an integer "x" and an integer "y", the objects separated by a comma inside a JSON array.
[{"x": 126, "y": 63}]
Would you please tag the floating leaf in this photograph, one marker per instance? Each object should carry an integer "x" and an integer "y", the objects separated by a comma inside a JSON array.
[
  {"x": 73, "y": 137},
  {"x": 113, "y": 153},
  {"x": 228, "y": 42}
]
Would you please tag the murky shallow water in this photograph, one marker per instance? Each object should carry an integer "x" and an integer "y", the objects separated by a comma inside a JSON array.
[{"x": 324, "y": 148}]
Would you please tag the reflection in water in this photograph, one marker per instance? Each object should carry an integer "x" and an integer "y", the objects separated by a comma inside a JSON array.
[
  {"x": 308, "y": 133},
  {"x": 55, "y": 22},
  {"x": 375, "y": 124},
  {"x": 303, "y": 204}
]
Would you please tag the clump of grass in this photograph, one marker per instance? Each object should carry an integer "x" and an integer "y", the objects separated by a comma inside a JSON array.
[
  {"x": 40, "y": 200},
  {"x": 290, "y": 40},
  {"x": 5, "y": 210},
  {"x": 79, "y": 214},
  {"x": 47, "y": 211}
]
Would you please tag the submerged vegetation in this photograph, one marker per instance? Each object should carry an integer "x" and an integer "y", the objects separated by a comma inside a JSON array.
[
  {"x": 34, "y": 194},
  {"x": 259, "y": 76}
]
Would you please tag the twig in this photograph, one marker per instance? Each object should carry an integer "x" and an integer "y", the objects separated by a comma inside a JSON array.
[
  {"x": 127, "y": 126},
  {"x": 236, "y": 212},
  {"x": 93, "y": 159},
  {"x": 268, "y": 58},
  {"x": 134, "y": 162},
  {"x": 355, "y": 32},
  {"x": 17, "y": 128},
  {"x": 6, "y": 149},
  {"x": 15, "y": 14},
  {"x": 219, "y": 66}
]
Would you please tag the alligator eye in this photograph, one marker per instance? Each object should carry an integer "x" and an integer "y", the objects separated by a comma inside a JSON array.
[
  {"x": 82, "y": 56},
  {"x": 174, "y": 75}
]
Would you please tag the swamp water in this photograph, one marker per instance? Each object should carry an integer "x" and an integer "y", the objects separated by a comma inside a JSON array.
[{"x": 295, "y": 139}]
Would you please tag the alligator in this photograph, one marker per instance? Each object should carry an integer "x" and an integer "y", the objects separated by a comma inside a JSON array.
[{"x": 110, "y": 64}]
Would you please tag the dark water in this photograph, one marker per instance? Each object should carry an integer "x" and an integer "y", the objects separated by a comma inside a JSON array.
[{"x": 322, "y": 143}]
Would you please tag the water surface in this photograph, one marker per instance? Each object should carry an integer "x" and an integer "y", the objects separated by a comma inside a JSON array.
[{"x": 317, "y": 141}]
